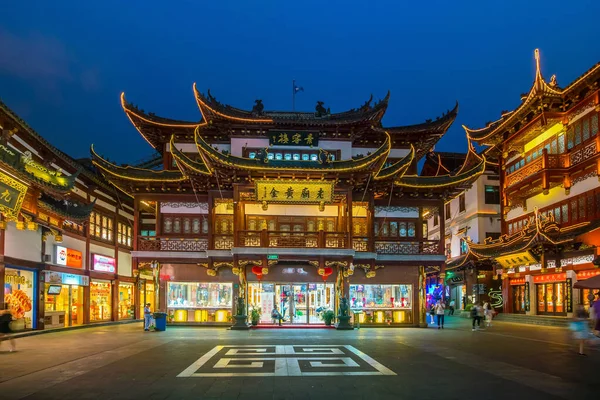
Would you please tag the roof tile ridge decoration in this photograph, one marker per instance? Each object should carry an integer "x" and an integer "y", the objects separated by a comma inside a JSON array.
[
  {"x": 438, "y": 181},
  {"x": 135, "y": 115},
  {"x": 398, "y": 168},
  {"x": 440, "y": 125},
  {"x": 212, "y": 109},
  {"x": 184, "y": 163},
  {"x": 130, "y": 173},
  {"x": 539, "y": 89},
  {"x": 262, "y": 162},
  {"x": 63, "y": 156}
]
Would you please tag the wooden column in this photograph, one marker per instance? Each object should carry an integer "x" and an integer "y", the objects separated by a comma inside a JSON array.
[
  {"x": 422, "y": 305},
  {"x": 349, "y": 224},
  {"x": 211, "y": 221},
  {"x": 2, "y": 271},
  {"x": 236, "y": 214},
  {"x": 442, "y": 218},
  {"x": 370, "y": 224},
  {"x": 138, "y": 292}
]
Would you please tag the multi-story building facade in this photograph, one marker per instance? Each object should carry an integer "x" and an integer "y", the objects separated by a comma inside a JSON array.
[
  {"x": 65, "y": 236},
  {"x": 294, "y": 209},
  {"x": 474, "y": 215},
  {"x": 548, "y": 150}
]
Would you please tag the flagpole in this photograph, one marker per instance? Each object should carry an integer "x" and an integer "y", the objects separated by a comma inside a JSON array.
[{"x": 293, "y": 95}]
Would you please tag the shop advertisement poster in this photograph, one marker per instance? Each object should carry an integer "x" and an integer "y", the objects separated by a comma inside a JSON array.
[
  {"x": 266, "y": 305},
  {"x": 66, "y": 279},
  {"x": 69, "y": 257},
  {"x": 102, "y": 263},
  {"x": 18, "y": 294},
  {"x": 569, "y": 295}
]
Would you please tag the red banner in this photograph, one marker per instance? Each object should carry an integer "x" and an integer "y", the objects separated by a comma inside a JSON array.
[
  {"x": 549, "y": 278},
  {"x": 581, "y": 275}
]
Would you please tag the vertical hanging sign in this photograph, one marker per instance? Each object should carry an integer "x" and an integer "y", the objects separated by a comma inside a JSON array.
[
  {"x": 569, "y": 295},
  {"x": 527, "y": 302}
]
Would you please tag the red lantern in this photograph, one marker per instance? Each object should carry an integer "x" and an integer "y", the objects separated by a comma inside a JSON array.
[
  {"x": 257, "y": 270},
  {"x": 326, "y": 272}
]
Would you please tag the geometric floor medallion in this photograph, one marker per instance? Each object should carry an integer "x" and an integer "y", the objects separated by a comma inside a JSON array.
[{"x": 284, "y": 360}]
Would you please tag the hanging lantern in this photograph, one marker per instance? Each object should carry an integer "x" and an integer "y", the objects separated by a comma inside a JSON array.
[
  {"x": 257, "y": 270},
  {"x": 326, "y": 272}
]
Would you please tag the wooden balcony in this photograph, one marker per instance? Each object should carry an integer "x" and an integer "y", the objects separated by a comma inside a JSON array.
[
  {"x": 556, "y": 164},
  {"x": 286, "y": 239},
  {"x": 407, "y": 247},
  {"x": 172, "y": 244}
]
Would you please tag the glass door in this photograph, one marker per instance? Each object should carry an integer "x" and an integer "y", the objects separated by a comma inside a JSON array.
[
  {"x": 300, "y": 300},
  {"x": 283, "y": 296},
  {"x": 550, "y": 298},
  {"x": 541, "y": 298},
  {"x": 320, "y": 298},
  {"x": 519, "y": 299},
  {"x": 76, "y": 306}
]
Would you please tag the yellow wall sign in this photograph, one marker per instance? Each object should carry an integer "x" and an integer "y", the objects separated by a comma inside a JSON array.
[
  {"x": 294, "y": 192},
  {"x": 12, "y": 193}
]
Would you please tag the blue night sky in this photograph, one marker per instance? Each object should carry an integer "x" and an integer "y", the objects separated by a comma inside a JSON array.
[{"x": 63, "y": 64}]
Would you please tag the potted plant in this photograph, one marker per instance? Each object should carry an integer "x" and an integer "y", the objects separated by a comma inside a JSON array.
[
  {"x": 328, "y": 316},
  {"x": 255, "y": 315}
]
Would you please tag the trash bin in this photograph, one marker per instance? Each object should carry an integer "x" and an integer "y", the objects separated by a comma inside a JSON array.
[{"x": 160, "y": 321}]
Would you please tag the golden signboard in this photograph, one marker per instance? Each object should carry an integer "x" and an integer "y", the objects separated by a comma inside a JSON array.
[
  {"x": 304, "y": 192},
  {"x": 12, "y": 193},
  {"x": 517, "y": 259}
]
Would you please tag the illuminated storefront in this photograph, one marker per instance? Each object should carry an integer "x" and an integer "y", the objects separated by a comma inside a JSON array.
[
  {"x": 199, "y": 301},
  {"x": 382, "y": 303},
  {"x": 63, "y": 301},
  {"x": 19, "y": 294},
  {"x": 146, "y": 295},
  {"x": 126, "y": 301},
  {"x": 100, "y": 300}
]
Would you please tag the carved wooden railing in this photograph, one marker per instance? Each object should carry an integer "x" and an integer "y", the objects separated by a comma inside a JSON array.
[
  {"x": 173, "y": 244},
  {"x": 524, "y": 172},
  {"x": 360, "y": 243},
  {"x": 583, "y": 153},
  {"x": 321, "y": 239},
  {"x": 403, "y": 247},
  {"x": 223, "y": 242}
]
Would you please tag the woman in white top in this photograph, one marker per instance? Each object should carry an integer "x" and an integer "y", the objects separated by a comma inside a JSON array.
[{"x": 489, "y": 314}]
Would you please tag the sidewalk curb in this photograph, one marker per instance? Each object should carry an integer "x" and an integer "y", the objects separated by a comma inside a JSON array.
[{"x": 70, "y": 328}]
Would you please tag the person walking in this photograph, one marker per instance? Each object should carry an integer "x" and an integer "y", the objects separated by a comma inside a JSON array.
[
  {"x": 452, "y": 305},
  {"x": 595, "y": 312},
  {"x": 440, "y": 313},
  {"x": 432, "y": 313},
  {"x": 5, "y": 319},
  {"x": 580, "y": 327},
  {"x": 475, "y": 315},
  {"x": 147, "y": 317},
  {"x": 488, "y": 313}
]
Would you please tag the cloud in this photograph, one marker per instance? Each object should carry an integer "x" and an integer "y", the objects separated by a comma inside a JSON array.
[{"x": 43, "y": 60}]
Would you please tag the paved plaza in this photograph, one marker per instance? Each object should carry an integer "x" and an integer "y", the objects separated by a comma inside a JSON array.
[{"x": 123, "y": 362}]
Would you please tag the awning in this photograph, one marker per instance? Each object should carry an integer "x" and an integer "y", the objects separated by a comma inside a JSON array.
[{"x": 590, "y": 283}]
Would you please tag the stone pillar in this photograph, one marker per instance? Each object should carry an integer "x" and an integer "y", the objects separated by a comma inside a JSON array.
[
  {"x": 532, "y": 295},
  {"x": 574, "y": 292}
]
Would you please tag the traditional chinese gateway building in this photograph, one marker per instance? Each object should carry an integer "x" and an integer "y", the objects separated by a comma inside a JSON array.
[
  {"x": 65, "y": 236},
  {"x": 548, "y": 150},
  {"x": 288, "y": 209}
]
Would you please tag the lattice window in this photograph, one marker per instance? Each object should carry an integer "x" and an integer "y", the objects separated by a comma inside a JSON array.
[
  {"x": 574, "y": 211},
  {"x": 594, "y": 124},
  {"x": 582, "y": 208},
  {"x": 586, "y": 129}
]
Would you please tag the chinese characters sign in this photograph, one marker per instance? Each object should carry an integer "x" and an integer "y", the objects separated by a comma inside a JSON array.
[
  {"x": 103, "y": 263},
  {"x": 12, "y": 193},
  {"x": 293, "y": 138},
  {"x": 294, "y": 191},
  {"x": 68, "y": 257}
]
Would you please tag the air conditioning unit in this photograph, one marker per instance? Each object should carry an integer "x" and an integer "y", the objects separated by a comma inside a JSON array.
[{"x": 47, "y": 258}]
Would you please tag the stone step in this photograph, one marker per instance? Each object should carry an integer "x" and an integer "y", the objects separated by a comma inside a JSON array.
[{"x": 533, "y": 319}]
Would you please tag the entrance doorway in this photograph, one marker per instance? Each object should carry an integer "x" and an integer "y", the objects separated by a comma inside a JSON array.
[
  {"x": 551, "y": 298},
  {"x": 518, "y": 292},
  {"x": 298, "y": 303},
  {"x": 67, "y": 305}
]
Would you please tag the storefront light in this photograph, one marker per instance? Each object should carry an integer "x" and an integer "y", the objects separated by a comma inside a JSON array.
[{"x": 221, "y": 316}]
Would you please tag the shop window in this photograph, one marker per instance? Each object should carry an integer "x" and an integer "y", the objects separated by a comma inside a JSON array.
[
  {"x": 185, "y": 225},
  {"x": 448, "y": 211},
  {"x": 492, "y": 194},
  {"x": 461, "y": 203},
  {"x": 124, "y": 234},
  {"x": 126, "y": 303},
  {"x": 380, "y": 296},
  {"x": 148, "y": 233},
  {"x": 199, "y": 295},
  {"x": 100, "y": 301},
  {"x": 101, "y": 226}
]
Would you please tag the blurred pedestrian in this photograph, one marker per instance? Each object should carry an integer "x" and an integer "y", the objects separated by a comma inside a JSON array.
[
  {"x": 475, "y": 315},
  {"x": 452, "y": 305},
  {"x": 595, "y": 314},
  {"x": 488, "y": 313},
  {"x": 580, "y": 327},
  {"x": 432, "y": 313},
  {"x": 5, "y": 320},
  {"x": 147, "y": 317},
  {"x": 440, "y": 313}
]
